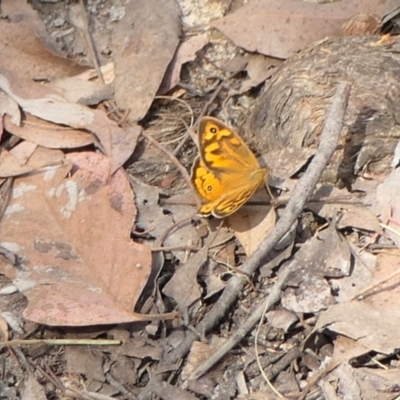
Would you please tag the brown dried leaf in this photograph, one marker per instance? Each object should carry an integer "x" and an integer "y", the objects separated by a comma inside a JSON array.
[
  {"x": 83, "y": 360},
  {"x": 251, "y": 224},
  {"x": 33, "y": 389},
  {"x": 47, "y": 104},
  {"x": 186, "y": 52},
  {"x": 47, "y": 134},
  {"x": 361, "y": 383},
  {"x": 325, "y": 255},
  {"x": 145, "y": 41},
  {"x": 23, "y": 151},
  {"x": 363, "y": 270},
  {"x": 355, "y": 216},
  {"x": 272, "y": 28},
  {"x": 76, "y": 89},
  {"x": 21, "y": 31},
  {"x": 187, "y": 234},
  {"x": 78, "y": 265},
  {"x": 9, "y": 107},
  {"x": 183, "y": 286},
  {"x": 374, "y": 327},
  {"x": 10, "y": 165},
  {"x": 281, "y": 319},
  {"x": 387, "y": 205},
  {"x": 362, "y": 24},
  {"x": 3, "y": 329},
  {"x": 259, "y": 68},
  {"x": 139, "y": 348},
  {"x": 288, "y": 161},
  {"x": 199, "y": 352},
  {"x": 374, "y": 321}
]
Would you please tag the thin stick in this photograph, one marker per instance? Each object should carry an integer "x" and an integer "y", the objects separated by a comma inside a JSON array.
[
  {"x": 193, "y": 127},
  {"x": 89, "y": 42},
  {"x": 62, "y": 342},
  {"x": 176, "y": 162},
  {"x": 302, "y": 192}
]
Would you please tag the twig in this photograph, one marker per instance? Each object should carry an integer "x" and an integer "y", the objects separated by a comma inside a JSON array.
[
  {"x": 5, "y": 195},
  {"x": 173, "y": 159},
  {"x": 61, "y": 342},
  {"x": 211, "y": 100},
  {"x": 192, "y": 128},
  {"x": 120, "y": 387},
  {"x": 160, "y": 240},
  {"x": 283, "y": 363},
  {"x": 302, "y": 192},
  {"x": 89, "y": 42},
  {"x": 171, "y": 98}
]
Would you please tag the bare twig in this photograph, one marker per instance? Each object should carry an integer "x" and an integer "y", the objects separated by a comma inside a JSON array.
[
  {"x": 303, "y": 191},
  {"x": 174, "y": 160},
  {"x": 89, "y": 42}
]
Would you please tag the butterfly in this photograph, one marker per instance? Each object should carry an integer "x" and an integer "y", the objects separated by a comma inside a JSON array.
[{"x": 227, "y": 173}]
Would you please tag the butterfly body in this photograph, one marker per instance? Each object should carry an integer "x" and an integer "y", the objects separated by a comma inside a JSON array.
[{"x": 227, "y": 173}]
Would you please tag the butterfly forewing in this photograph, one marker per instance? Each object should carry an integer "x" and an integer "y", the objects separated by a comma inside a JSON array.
[{"x": 222, "y": 149}]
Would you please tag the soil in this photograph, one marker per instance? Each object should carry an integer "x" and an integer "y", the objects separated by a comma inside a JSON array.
[{"x": 301, "y": 91}]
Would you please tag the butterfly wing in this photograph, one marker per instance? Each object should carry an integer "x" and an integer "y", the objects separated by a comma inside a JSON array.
[
  {"x": 223, "y": 195},
  {"x": 230, "y": 203},
  {"x": 227, "y": 173},
  {"x": 222, "y": 149}
]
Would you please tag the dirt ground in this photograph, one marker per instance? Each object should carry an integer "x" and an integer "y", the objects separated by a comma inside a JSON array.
[{"x": 120, "y": 290}]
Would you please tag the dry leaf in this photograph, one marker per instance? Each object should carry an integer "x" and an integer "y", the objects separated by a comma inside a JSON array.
[
  {"x": 3, "y": 329},
  {"x": 81, "y": 91},
  {"x": 387, "y": 205},
  {"x": 23, "y": 151},
  {"x": 145, "y": 41},
  {"x": 78, "y": 265},
  {"x": 272, "y": 28},
  {"x": 139, "y": 348},
  {"x": 84, "y": 360},
  {"x": 259, "y": 68},
  {"x": 183, "y": 286},
  {"x": 199, "y": 352},
  {"x": 22, "y": 50},
  {"x": 375, "y": 327},
  {"x": 186, "y": 234},
  {"x": 186, "y": 52},
  {"x": 362, "y": 273},
  {"x": 45, "y": 103},
  {"x": 252, "y": 224},
  {"x": 288, "y": 161},
  {"x": 325, "y": 255},
  {"x": 41, "y": 158},
  {"x": 9, "y": 107},
  {"x": 47, "y": 134},
  {"x": 354, "y": 216},
  {"x": 10, "y": 166},
  {"x": 32, "y": 389},
  {"x": 281, "y": 319}
]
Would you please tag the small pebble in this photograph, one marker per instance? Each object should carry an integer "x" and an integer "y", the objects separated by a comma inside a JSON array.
[
  {"x": 58, "y": 22},
  {"x": 9, "y": 289},
  {"x": 116, "y": 13}
]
